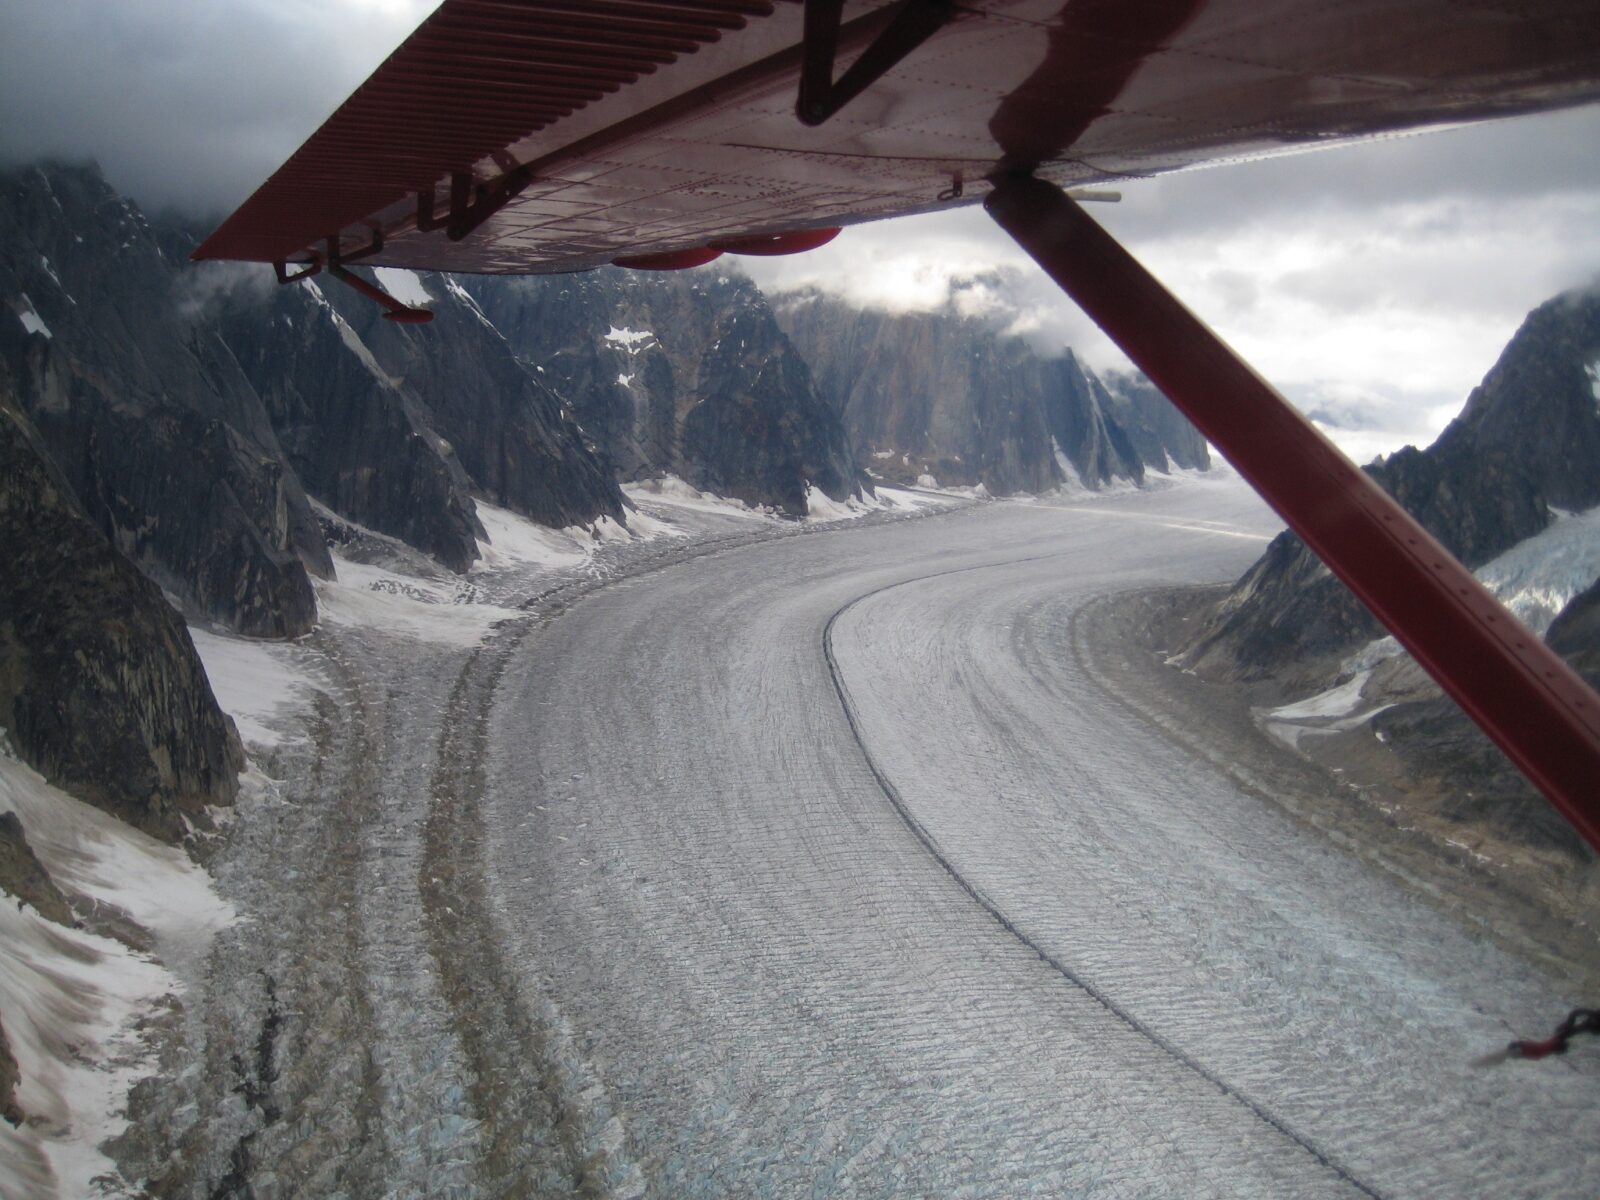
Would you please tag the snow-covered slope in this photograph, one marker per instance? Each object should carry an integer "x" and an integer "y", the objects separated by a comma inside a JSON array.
[{"x": 74, "y": 1001}]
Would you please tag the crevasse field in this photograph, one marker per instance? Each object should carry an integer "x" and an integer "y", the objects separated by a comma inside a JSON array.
[{"x": 850, "y": 882}]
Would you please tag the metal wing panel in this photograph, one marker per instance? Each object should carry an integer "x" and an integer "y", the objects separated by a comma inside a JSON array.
[{"x": 613, "y": 127}]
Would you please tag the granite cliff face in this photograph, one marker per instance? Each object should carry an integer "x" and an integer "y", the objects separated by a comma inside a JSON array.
[
  {"x": 686, "y": 373},
  {"x": 502, "y": 423},
  {"x": 100, "y": 687},
  {"x": 162, "y": 426},
  {"x": 144, "y": 408},
  {"x": 358, "y": 443},
  {"x": 1160, "y": 435},
  {"x": 946, "y": 395}
]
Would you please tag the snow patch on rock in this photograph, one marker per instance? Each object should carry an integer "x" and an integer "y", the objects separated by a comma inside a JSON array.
[
  {"x": 822, "y": 507},
  {"x": 631, "y": 340},
  {"x": 1535, "y": 579},
  {"x": 32, "y": 322},
  {"x": 404, "y": 286}
]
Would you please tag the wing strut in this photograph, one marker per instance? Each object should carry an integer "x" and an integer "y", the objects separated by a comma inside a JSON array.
[{"x": 1519, "y": 692}]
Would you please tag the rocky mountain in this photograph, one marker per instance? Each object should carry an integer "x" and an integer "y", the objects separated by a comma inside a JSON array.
[
  {"x": 193, "y": 409},
  {"x": 685, "y": 373},
  {"x": 1525, "y": 448},
  {"x": 144, "y": 409},
  {"x": 947, "y": 395},
  {"x": 398, "y": 427},
  {"x": 1527, "y": 441}
]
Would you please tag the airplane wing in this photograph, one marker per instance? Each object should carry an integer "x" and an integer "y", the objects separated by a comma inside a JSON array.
[{"x": 554, "y": 135}]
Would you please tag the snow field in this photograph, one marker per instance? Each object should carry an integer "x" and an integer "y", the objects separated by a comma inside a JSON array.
[
  {"x": 263, "y": 686},
  {"x": 72, "y": 1001}
]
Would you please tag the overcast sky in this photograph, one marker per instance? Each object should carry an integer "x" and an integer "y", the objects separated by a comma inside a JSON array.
[{"x": 1375, "y": 284}]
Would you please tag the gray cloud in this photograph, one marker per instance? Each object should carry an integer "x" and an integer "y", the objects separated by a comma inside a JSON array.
[
  {"x": 1495, "y": 163},
  {"x": 185, "y": 103}
]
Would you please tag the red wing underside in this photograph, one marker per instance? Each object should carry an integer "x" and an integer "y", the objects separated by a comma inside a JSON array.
[{"x": 635, "y": 127}]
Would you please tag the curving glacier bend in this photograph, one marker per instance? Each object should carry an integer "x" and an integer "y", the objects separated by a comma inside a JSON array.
[
  {"x": 837, "y": 875},
  {"x": 838, "y": 861}
]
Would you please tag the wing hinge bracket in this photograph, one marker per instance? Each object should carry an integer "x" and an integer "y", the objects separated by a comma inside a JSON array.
[
  {"x": 821, "y": 95},
  {"x": 471, "y": 202},
  {"x": 334, "y": 260}
]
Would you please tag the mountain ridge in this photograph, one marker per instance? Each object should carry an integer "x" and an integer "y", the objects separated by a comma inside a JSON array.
[{"x": 949, "y": 395}]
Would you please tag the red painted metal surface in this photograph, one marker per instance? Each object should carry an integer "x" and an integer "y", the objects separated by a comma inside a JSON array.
[
  {"x": 393, "y": 310},
  {"x": 672, "y": 260},
  {"x": 598, "y": 129},
  {"x": 774, "y": 244},
  {"x": 1519, "y": 692}
]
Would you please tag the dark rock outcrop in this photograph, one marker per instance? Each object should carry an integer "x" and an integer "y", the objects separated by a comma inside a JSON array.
[
  {"x": 145, "y": 410},
  {"x": 759, "y": 432},
  {"x": 686, "y": 373},
  {"x": 1160, "y": 435},
  {"x": 10, "y": 1110},
  {"x": 100, "y": 687},
  {"x": 1575, "y": 634},
  {"x": 1539, "y": 406},
  {"x": 357, "y": 442},
  {"x": 23, "y": 876},
  {"x": 1078, "y": 409}
]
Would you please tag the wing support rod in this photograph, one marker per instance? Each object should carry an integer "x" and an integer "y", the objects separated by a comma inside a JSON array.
[
  {"x": 821, "y": 96},
  {"x": 335, "y": 260},
  {"x": 1521, "y": 693}
]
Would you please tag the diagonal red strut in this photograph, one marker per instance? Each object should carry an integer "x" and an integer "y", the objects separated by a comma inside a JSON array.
[{"x": 1535, "y": 707}]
